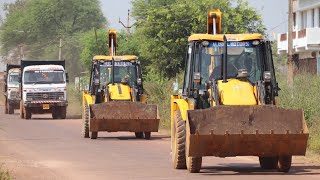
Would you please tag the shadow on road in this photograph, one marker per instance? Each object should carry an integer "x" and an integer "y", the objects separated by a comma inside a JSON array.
[
  {"x": 155, "y": 137},
  {"x": 244, "y": 169}
]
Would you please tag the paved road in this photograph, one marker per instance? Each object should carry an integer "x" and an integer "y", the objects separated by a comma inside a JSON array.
[{"x": 42, "y": 148}]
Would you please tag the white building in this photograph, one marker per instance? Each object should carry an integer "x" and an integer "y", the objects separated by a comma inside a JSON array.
[{"x": 306, "y": 36}]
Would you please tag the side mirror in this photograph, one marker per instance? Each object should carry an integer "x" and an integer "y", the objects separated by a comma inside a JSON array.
[
  {"x": 139, "y": 81},
  {"x": 267, "y": 76},
  {"x": 196, "y": 77},
  {"x": 67, "y": 77}
]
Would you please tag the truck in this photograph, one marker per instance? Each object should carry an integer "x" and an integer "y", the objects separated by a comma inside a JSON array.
[
  {"x": 43, "y": 88},
  {"x": 11, "y": 90}
]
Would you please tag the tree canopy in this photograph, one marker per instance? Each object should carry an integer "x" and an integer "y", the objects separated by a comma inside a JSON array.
[{"x": 163, "y": 27}]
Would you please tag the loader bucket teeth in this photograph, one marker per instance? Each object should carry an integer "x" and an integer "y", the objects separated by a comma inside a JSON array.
[
  {"x": 124, "y": 116},
  {"x": 225, "y": 131}
]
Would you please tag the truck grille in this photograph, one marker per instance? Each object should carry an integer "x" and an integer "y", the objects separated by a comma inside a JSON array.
[
  {"x": 13, "y": 94},
  {"x": 45, "y": 95}
]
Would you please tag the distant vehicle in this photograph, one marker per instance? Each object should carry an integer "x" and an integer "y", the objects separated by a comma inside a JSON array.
[
  {"x": 11, "y": 88},
  {"x": 44, "y": 88}
]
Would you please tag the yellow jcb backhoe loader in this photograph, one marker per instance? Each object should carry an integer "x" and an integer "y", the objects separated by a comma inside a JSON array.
[
  {"x": 227, "y": 105},
  {"x": 115, "y": 100}
]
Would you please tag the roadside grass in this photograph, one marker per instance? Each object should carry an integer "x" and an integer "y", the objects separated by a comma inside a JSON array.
[
  {"x": 304, "y": 94},
  {"x": 74, "y": 101},
  {"x": 4, "y": 174}
]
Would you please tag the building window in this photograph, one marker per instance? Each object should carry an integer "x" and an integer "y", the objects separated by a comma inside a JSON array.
[{"x": 294, "y": 19}]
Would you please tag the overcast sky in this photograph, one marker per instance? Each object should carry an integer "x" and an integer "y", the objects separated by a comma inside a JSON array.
[{"x": 274, "y": 13}]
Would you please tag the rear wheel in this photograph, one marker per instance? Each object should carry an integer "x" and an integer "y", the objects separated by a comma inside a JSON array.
[
  {"x": 268, "y": 162},
  {"x": 6, "y": 106},
  {"x": 28, "y": 113},
  {"x": 94, "y": 135},
  {"x": 10, "y": 109},
  {"x": 193, "y": 163},
  {"x": 85, "y": 121},
  {"x": 178, "y": 138},
  {"x": 139, "y": 135},
  {"x": 284, "y": 163},
  {"x": 147, "y": 135}
]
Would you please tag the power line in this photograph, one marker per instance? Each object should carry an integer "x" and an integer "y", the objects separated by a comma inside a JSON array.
[{"x": 277, "y": 25}]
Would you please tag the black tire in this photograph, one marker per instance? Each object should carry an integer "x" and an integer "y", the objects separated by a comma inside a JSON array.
[
  {"x": 85, "y": 121},
  {"x": 10, "y": 109},
  {"x": 6, "y": 106},
  {"x": 94, "y": 135},
  {"x": 178, "y": 138},
  {"x": 284, "y": 163},
  {"x": 28, "y": 113},
  {"x": 268, "y": 162},
  {"x": 63, "y": 112},
  {"x": 21, "y": 110},
  {"x": 193, "y": 163},
  {"x": 147, "y": 135},
  {"x": 55, "y": 113},
  {"x": 139, "y": 135}
]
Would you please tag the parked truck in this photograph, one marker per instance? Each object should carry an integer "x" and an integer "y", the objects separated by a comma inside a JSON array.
[
  {"x": 43, "y": 88},
  {"x": 11, "y": 88}
]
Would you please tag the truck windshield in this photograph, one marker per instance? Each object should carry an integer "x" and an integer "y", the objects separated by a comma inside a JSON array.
[
  {"x": 124, "y": 71},
  {"x": 44, "y": 77},
  {"x": 241, "y": 55},
  {"x": 13, "y": 78}
]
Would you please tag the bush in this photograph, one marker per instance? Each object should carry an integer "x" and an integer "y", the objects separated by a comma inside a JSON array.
[{"x": 304, "y": 94}]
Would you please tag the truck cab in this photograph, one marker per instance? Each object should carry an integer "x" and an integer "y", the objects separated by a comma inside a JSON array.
[
  {"x": 11, "y": 89},
  {"x": 44, "y": 90}
]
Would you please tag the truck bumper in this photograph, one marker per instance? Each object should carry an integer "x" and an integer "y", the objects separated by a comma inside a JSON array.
[{"x": 39, "y": 104}]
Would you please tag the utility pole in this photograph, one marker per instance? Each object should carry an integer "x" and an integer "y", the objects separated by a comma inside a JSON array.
[
  {"x": 21, "y": 55},
  {"x": 290, "y": 61},
  {"x": 60, "y": 49},
  {"x": 128, "y": 23}
]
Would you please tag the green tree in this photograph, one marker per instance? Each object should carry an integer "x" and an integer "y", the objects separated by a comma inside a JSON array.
[
  {"x": 39, "y": 24},
  {"x": 163, "y": 27}
]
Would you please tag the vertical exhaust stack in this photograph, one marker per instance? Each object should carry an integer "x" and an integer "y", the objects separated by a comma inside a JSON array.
[
  {"x": 214, "y": 22},
  {"x": 112, "y": 42}
]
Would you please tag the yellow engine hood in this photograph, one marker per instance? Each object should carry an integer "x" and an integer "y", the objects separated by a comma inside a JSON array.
[
  {"x": 119, "y": 91},
  {"x": 236, "y": 92}
]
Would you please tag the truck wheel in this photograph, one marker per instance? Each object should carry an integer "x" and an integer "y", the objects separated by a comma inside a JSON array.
[
  {"x": 85, "y": 121},
  {"x": 268, "y": 162},
  {"x": 63, "y": 112},
  {"x": 28, "y": 113},
  {"x": 6, "y": 106},
  {"x": 55, "y": 113},
  {"x": 284, "y": 163},
  {"x": 193, "y": 163},
  {"x": 21, "y": 110},
  {"x": 147, "y": 135},
  {"x": 94, "y": 135},
  {"x": 139, "y": 135},
  {"x": 178, "y": 138},
  {"x": 10, "y": 109}
]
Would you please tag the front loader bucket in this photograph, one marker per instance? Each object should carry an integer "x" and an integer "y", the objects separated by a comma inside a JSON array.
[
  {"x": 124, "y": 116},
  {"x": 226, "y": 131}
]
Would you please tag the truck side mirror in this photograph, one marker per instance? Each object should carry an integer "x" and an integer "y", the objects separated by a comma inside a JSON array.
[
  {"x": 67, "y": 77},
  {"x": 139, "y": 81},
  {"x": 196, "y": 77}
]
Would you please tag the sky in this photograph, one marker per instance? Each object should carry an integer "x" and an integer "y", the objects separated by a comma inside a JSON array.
[{"x": 273, "y": 12}]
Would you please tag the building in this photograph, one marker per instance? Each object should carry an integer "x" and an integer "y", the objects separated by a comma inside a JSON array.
[{"x": 306, "y": 36}]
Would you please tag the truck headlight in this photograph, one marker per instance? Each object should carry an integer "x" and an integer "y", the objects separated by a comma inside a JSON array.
[{"x": 61, "y": 97}]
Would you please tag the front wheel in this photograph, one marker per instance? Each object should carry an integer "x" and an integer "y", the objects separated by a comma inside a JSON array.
[
  {"x": 10, "y": 109},
  {"x": 178, "y": 139},
  {"x": 147, "y": 135},
  {"x": 21, "y": 110},
  {"x": 284, "y": 163},
  {"x": 268, "y": 162},
  {"x": 28, "y": 113},
  {"x": 6, "y": 106},
  {"x": 139, "y": 135},
  {"x": 85, "y": 121}
]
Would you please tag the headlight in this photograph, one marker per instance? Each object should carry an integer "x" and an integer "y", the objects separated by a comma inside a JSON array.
[
  {"x": 29, "y": 99},
  {"x": 61, "y": 97}
]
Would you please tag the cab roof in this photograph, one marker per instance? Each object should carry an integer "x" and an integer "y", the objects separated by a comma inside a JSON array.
[
  {"x": 117, "y": 58},
  {"x": 230, "y": 37}
]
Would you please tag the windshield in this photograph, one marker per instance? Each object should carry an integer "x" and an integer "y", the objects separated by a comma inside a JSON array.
[
  {"x": 241, "y": 55},
  {"x": 124, "y": 72},
  {"x": 44, "y": 77},
  {"x": 13, "y": 78}
]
